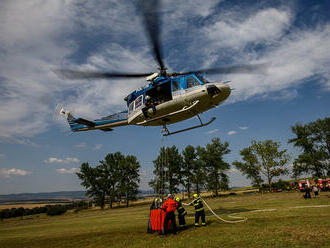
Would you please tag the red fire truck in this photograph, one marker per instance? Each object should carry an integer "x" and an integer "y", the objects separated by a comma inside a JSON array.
[
  {"x": 302, "y": 183},
  {"x": 324, "y": 184}
]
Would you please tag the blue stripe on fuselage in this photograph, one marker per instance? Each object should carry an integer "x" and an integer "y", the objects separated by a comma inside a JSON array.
[{"x": 76, "y": 126}]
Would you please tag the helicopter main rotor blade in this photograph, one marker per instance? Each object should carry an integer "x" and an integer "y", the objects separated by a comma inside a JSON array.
[
  {"x": 150, "y": 12},
  {"x": 235, "y": 69},
  {"x": 73, "y": 74}
]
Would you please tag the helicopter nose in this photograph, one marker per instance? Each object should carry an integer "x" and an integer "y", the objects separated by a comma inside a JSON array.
[{"x": 224, "y": 89}]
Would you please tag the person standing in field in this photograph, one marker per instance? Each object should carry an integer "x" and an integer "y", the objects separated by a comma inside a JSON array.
[
  {"x": 181, "y": 213},
  {"x": 169, "y": 207},
  {"x": 199, "y": 210},
  {"x": 315, "y": 190},
  {"x": 307, "y": 192}
]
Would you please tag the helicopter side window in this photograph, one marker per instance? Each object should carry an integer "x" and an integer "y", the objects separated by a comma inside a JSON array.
[
  {"x": 191, "y": 82},
  {"x": 175, "y": 85},
  {"x": 196, "y": 82},
  {"x": 138, "y": 102}
]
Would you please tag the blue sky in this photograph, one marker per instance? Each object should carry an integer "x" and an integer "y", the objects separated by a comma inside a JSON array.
[{"x": 37, "y": 151}]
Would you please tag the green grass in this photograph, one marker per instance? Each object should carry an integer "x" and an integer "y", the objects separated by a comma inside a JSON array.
[{"x": 126, "y": 227}]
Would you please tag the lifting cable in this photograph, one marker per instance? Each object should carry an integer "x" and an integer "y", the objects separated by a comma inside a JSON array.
[
  {"x": 242, "y": 219},
  {"x": 164, "y": 163}
]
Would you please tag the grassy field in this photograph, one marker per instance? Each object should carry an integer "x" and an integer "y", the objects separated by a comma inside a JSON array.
[{"x": 275, "y": 220}]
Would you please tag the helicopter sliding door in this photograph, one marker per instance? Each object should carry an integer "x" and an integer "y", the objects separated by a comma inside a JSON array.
[{"x": 161, "y": 93}]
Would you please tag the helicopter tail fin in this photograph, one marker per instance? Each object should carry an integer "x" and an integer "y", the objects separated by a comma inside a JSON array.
[{"x": 74, "y": 122}]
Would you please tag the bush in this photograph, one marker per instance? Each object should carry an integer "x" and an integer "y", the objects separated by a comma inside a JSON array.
[
  {"x": 20, "y": 212},
  {"x": 56, "y": 210},
  {"x": 281, "y": 185}
]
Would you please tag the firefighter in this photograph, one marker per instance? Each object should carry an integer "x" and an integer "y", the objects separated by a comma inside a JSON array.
[
  {"x": 169, "y": 207},
  {"x": 150, "y": 102},
  {"x": 307, "y": 192},
  {"x": 181, "y": 213},
  {"x": 156, "y": 203},
  {"x": 199, "y": 210}
]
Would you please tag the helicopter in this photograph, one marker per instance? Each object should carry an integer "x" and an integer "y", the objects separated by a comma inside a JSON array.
[{"x": 168, "y": 97}]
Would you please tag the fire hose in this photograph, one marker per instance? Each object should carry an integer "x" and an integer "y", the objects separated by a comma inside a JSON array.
[{"x": 242, "y": 219}]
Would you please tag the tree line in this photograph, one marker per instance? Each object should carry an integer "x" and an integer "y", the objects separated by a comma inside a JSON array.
[
  {"x": 199, "y": 167},
  {"x": 51, "y": 210},
  {"x": 116, "y": 178},
  {"x": 196, "y": 168},
  {"x": 264, "y": 160}
]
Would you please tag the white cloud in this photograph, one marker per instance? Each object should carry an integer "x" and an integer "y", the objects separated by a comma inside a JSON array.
[
  {"x": 13, "y": 172},
  {"x": 81, "y": 145},
  {"x": 300, "y": 56},
  {"x": 145, "y": 177},
  {"x": 85, "y": 145},
  {"x": 213, "y": 131},
  {"x": 231, "y": 132},
  {"x": 148, "y": 174},
  {"x": 14, "y": 140},
  {"x": 97, "y": 147},
  {"x": 233, "y": 170},
  {"x": 293, "y": 54},
  {"x": 62, "y": 161},
  {"x": 94, "y": 98},
  {"x": 29, "y": 48},
  {"x": 243, "y": 128},
  {"x": 68, "y": 171},
  {"x": 262, "y": 26},
  {"x": 39, "y": 36}
]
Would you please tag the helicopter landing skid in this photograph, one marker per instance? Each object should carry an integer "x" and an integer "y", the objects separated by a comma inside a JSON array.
[{"x": 167, "y": 132}]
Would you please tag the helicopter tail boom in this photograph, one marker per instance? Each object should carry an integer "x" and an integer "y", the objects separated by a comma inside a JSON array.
[{"x": 104, "y": 124}]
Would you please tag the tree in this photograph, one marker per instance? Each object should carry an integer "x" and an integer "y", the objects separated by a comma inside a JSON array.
[
  {"x": 250, "y": 168},
  {"x": 314, "y": 141},
  {"x": 111, "y": 167},
  {"x": 188, "y": 165},
  {"x": 94, "y": 181},
  {"x": 115, "y": 177},
  {"x": 129, "y": 178},
  {"x": 167, "y": 171},
  {"x": 199, "y": 175},
  {"x": 212, "y": 159},
  {"x": 158, "y": 183},
  {"x": 263, "y": 159}
]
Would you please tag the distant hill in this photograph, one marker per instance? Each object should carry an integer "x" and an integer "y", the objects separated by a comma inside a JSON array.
[
  {"x": 51, "y": 196},
  {"x": 62, "y": 195}
]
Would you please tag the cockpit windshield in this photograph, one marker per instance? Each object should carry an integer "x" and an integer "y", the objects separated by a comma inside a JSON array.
[{"x": 200, "y": 77}]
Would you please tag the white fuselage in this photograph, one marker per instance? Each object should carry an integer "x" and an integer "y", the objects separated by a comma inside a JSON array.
[{"x": 208, "y": 96}]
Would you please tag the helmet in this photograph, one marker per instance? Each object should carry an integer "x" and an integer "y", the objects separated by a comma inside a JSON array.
[
  {"x": 195, "y": 196},
  {"x": 170, "y": 196},
  {"x": 178, "y": 199}
]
